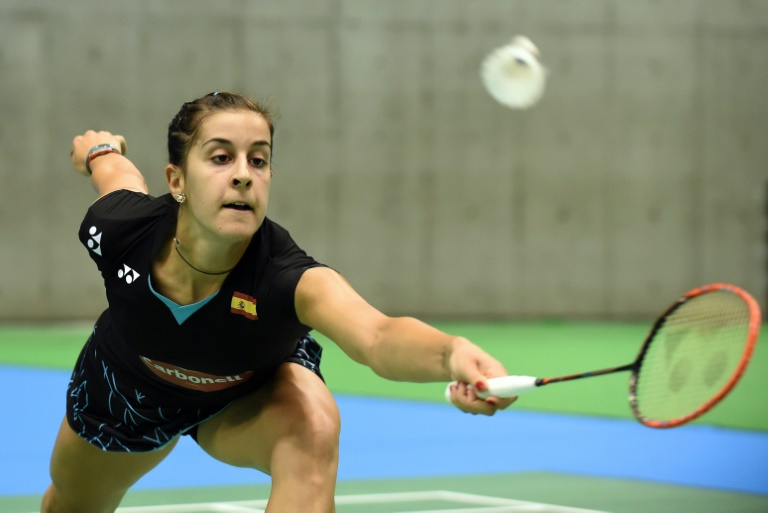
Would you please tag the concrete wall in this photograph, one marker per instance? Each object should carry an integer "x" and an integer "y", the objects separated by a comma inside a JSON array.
[{"x": 643, "y": 172}]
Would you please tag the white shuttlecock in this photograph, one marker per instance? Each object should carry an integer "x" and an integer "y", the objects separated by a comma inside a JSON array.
[{"x": 513, "y": 74}]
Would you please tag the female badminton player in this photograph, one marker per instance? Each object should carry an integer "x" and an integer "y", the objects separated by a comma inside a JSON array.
[{"x": 210, "y": 306}]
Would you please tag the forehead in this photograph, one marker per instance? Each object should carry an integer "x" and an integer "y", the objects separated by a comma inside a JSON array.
[{"x": 245, "y": 127}]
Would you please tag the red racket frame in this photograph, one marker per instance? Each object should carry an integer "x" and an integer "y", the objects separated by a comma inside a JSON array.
[{"x": 752, "y": 336}]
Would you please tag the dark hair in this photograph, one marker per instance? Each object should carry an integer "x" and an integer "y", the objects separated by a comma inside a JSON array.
[{"x": 183, "y": 129}]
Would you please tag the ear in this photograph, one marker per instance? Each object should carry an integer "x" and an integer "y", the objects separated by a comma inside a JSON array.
[{"x": 175, "y": 178}]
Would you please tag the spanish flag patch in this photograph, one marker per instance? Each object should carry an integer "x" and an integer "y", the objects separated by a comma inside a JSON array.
[{"x": 243, "y": 304}]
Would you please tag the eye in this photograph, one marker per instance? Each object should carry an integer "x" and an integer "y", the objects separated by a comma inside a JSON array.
[
  {"x": 259, "y": 162},
  {"x": 220, "y": 158}
]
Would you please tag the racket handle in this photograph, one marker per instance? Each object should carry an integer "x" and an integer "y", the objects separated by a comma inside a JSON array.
[{"x": 507, "y": 386}]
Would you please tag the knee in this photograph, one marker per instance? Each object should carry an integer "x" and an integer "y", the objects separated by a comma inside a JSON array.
[
  {"x": 293, "y": 422},
  {"x": 313, "y": 426}
]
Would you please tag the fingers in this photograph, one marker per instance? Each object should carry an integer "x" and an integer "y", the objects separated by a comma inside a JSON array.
[
  {"x": 471, "y": 367},
  {"x": 123, "y": 144},
  {"x": 76, "y": 156},
  {"x": 465, "y": 398}
]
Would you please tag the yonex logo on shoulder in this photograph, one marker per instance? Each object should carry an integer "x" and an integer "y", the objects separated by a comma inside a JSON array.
[
  {"x": 94, "y": 243},
  {"x": 128, "y": 274}
]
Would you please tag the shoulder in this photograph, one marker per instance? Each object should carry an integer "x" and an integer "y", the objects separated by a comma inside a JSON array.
[
  {"x": 274, "y": 231},
  {"x": 124, "y": 221},
  {"x": 123, "y": 204},
  {"x": 286, "y": 260},
  {"x": 277, "y": 241}
]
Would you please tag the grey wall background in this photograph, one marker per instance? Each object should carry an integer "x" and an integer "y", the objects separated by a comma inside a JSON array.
[{"x": 641, "y": 174}]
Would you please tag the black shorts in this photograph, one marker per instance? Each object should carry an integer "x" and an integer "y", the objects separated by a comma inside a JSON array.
[{"x": 117, "y": 417}]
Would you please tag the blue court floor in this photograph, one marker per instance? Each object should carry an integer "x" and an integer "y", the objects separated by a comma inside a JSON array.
[{"x": 384, "y": 438}]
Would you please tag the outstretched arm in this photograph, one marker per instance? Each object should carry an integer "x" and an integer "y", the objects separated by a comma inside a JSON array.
[
  {"x": 396, "y": 348},
  {"x": 111, "y": 171}
]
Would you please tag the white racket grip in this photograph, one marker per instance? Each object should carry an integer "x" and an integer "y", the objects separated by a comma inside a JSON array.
[{"x": 507, "y": 386}]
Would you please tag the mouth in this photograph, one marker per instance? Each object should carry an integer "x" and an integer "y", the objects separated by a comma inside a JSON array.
[{"x": 239, "y": 206}]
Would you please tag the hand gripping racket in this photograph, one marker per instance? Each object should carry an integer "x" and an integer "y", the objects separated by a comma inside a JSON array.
[{"x": 693, "y": 356}]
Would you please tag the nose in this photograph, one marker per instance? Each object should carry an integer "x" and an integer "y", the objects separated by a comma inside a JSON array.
[{"x": 241, "y": 177}]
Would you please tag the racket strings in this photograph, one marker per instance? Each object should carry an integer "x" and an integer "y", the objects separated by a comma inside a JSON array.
[{"x": 694, "y": 356}]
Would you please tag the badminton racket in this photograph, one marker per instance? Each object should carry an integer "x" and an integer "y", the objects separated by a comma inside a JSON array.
[{"x": 693, "y": 356}]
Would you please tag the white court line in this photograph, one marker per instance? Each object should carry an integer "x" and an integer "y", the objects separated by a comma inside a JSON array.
[{"x": 476, "y": 503}]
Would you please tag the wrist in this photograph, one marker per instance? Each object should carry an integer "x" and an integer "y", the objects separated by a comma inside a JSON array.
[
  {"x": 98, "y": 151},
  {"x": 450, "y": 350}
]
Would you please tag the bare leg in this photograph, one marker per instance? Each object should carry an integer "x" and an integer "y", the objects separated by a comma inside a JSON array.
[
  {"x": 288, "y": 429},
  {"x": 86, "y": 479}
]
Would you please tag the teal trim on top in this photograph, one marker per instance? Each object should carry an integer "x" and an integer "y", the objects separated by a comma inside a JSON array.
[{"x": 180, "y": 312}]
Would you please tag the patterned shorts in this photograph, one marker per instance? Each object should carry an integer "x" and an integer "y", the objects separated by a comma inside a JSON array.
[{"x": 117, "y": 417}]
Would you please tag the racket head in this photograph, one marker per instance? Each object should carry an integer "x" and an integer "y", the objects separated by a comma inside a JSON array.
[{"x": 694, "y": 355}]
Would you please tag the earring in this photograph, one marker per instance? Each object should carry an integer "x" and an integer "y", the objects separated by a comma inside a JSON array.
[{"x": 181, "y": 197}]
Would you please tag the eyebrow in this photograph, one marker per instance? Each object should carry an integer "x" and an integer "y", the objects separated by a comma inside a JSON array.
[{"x": 221, "y": 140}]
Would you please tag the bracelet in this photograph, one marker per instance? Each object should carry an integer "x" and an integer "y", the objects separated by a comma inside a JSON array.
[{"x": 98, "y": 151}]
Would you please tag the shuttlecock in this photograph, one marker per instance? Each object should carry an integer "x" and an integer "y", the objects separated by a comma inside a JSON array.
[{"x": 513, "y": 75}]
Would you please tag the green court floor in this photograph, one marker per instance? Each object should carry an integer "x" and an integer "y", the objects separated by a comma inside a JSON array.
[{"x": 525, "y": 492}]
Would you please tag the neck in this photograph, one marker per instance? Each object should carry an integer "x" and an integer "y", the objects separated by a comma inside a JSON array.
[{"x": 177, "y": 244}]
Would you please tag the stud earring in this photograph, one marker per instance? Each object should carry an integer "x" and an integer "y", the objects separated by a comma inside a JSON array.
[{"x": 181, "y": 197}]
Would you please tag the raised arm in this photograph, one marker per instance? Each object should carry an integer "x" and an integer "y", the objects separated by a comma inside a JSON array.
[
  {"x": 396, "y": 348},
  {"x": 111, "y": 171}
]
